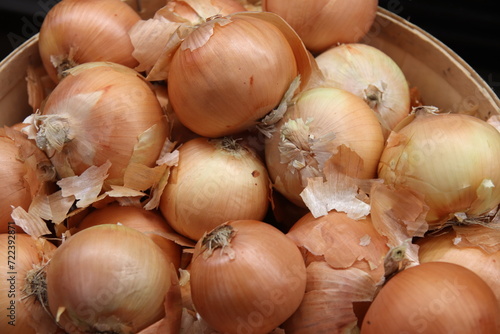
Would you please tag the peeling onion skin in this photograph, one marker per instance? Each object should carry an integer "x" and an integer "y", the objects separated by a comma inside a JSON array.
[
  {"x": 451, "y": 159},
  {"x": 442, "y": 248},
  {"x": 321, "y": 24},
  {"x": 28, "y": 314},
  {"x": 107, "y": 278},
  {"x": 433, "y": 297},
  {"x": 89, "y": 30},
  {"x": 254, "y": 291}
]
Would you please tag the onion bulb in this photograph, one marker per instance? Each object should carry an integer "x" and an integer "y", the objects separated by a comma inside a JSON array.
[
  {"x": 107, "y": 278},
  {"x": 246, "y": 277},
  {"x": 149, "y": 222},
  {"x": 322, "y": 24},
  {"x": 433, "y": 297},
  {"x": 22, "y": 259},
  {"x": 216, "y": 180},
  {"x": 475, "y": 247},
  {"x": 76, "y": 32},
  {"x": 231, "y": 71},
  {"x": 451, "y": 159},
  {"x": 370, "y": 74},
  {"x": 318, "y": 122},
  {"x": 25, "y": 171},
  {"x": 98, "y": 113}
]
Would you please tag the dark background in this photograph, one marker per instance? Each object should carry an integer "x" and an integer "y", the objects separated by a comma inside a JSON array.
[{"x": 470, "y": 28}]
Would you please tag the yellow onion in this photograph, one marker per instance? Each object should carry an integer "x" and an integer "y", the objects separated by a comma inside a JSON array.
[
  {"x": 475, "y": 247},
  {"x": 149, "y": 222},
  {"x": 231, "y": 71},
  {"x": 216, "y": 180},
  {"x": 319, "y": 121},
  {"x": 433, "y": 297},
  {"x": 322, "y": 24},
  {"x": 345, "y": 264},
  {"x": 370, "y": 74},
  {"x": 108, "y": 278},
  {"x": 98, "y": 113},
  {"x": 21, "y": 285},
  {"x": 450, "y": 159},
  {"x": 81, "y": 31},
  {"x": 25, "y": 171},
  {"x": 246, "y": 277}
]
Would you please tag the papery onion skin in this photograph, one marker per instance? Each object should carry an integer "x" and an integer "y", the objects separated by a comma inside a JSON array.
[
  {"x": 326, "y": 119},
  {"x": 149, "y": 222},
  {"x": 212, "y": 184},
  {"x": 322, "y": 24},
  {"x": 370, "y": 74},
  {"x": 442, "y": 247},
  {"x": 20, "y": 313},
  {"x": 226, "y": 84},
  {"x": 433, "y": 297},
  {"x": 87, "y": 31},
  {"x": 24, "y": 172},
  {"x": 107, "y": 278},
  {"x": 105, "y": 108},
  {"x": 451, "y": 159},
  {"x": 252, "y": 284}
]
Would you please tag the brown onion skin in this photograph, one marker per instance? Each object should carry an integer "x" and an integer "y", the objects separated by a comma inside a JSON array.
[
  {"x": 258, "y": 289},
  {"x": 96, "y": 30},
  {"x": 28, "y": 315},
  {"x": 148, "y": 222},
  {"x": 433, "y": 297}
]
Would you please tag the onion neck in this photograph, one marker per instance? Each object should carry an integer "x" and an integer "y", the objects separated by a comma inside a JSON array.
[
  {"x": 53, "y": 132},
  {"x": 220, "y": 237}
]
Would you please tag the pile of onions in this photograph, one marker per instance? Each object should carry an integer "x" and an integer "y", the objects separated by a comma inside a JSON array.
[
  {"x": 25, "y": 172},
  {"x": 108, "y": 278},
  {"x": 434, "y": 297},
  {"x": 231, "y": 71},
  {"x": 246, "y": 277},
  {"x": 319, "y": 121},
  {"x": 22, "y": 259},
  {"x": 97, "y": 114},
  {"x": 77, "y": 32},
  {"x": 216, "y": 180},
  {"x": 326, "y": 23},
  {"x": 370, "y": 74},
  {"x": 451, "y": 159}
]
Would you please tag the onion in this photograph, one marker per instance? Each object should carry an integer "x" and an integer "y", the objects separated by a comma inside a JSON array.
[
  {"x": 98, "y": 113},
  {"x": 322, "y": 24},
  {"x": 216, "y": 180},
  {"x": 313, "y": 128},
  {"x": 246, "y": 277},
  {"x": 25, "y": 172},
  {"x": 148, "y": 222},
  {"x": 76, "y": 32},
  {"x": 370, "y": 74},
  {"x": 22, "y": 259},
  {"x": 107, "y": 278},
  {"x": 451, "y": 159},
  {"x": 231, "y": 71},
  {"x": 433, "y": 297},
  {"x": 475, "y": 247}
]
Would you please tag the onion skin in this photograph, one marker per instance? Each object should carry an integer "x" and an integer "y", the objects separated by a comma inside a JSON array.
[
  {"x": 213, "y": 184},
  {"x": 442, "y": 248},
  {"x": 87, "y": 31},
  {"x": 248, "y": 57},
  {"x": 151, "y": 223},
  {"x": 451, "y": 159},
  {"x": 321, "y": 24},
  {"x": 252, "y": 284},
  {"x": 107, "y": 278},
  {"x": 26, "y": 315},
  {"x": 433, "y": 297}
]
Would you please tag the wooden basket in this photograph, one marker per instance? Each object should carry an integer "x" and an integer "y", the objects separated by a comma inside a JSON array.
[{"x": 442, "y": 77}]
